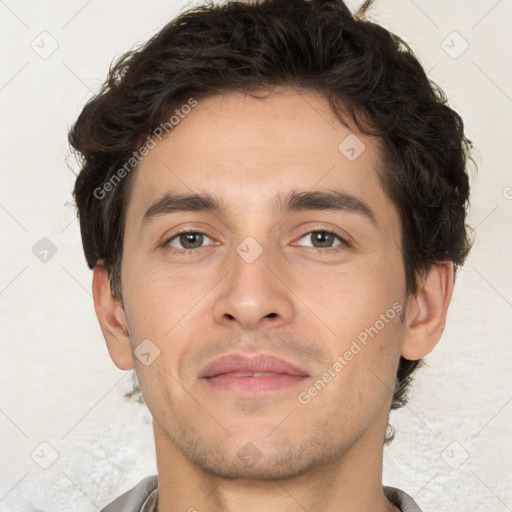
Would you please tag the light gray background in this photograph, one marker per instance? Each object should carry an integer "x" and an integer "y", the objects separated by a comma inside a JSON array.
[{"x": 452, "y": 450}]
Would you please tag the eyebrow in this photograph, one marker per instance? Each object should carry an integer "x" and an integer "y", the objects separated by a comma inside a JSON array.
[
  {"x": 330, "y": 199},
  {"x": 334, "y": 200}
]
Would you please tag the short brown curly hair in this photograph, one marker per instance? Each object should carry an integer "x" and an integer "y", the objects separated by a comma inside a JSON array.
[{"x": 368, "y": 74}]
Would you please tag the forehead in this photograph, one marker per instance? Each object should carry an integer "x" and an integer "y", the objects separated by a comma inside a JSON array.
[{"x": 249, "y": 150}]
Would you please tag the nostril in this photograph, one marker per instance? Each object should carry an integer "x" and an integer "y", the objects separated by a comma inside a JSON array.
[{"x": 271, "y": 315}]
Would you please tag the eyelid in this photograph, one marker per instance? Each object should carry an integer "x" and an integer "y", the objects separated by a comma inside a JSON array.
[
  {"x": 185, "y": 231},
  {"x": 344, "y": 239},
  {"x": 189, "y": 227}
]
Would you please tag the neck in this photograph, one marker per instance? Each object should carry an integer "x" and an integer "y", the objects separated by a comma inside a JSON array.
[{"x": 350, "y": 483}]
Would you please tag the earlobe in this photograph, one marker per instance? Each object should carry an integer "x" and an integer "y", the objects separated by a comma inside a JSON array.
[
  {"x": 112, "y": 319},
  {"x": 427, "y": 310}
]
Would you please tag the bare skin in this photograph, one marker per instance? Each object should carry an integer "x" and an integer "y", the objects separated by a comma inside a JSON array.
[{"x": 292, "y": 290}]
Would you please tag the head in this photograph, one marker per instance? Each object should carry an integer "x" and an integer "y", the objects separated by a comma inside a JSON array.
[{"x": 268, "y": 113}]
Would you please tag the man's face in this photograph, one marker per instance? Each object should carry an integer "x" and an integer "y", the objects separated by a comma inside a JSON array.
[{"x": 264, "y": 281}]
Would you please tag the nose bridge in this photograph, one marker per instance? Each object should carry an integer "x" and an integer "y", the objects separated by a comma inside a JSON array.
[{"x": 251, "y": 294}]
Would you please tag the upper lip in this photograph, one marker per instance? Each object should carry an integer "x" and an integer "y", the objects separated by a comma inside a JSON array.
[{"x": 233, "y": 363}]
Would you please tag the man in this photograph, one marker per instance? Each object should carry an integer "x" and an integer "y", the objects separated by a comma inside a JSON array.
[{"x": 273, "y": 201}]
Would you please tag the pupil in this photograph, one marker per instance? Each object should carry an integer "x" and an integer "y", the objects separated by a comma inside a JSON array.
[
  {"x": 323, "y": 238},
  {"x": 188, "y": 238}
]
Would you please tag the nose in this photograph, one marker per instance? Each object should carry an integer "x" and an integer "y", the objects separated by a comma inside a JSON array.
[{"x": 254, "y": 294}]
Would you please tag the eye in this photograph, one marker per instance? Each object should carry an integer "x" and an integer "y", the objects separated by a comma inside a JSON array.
[
  {"x": 188, "y": 241},
  {"x": 323, "y": 239}
]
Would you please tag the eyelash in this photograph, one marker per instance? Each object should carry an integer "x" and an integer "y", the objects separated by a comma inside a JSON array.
[{"x": 343, "y": 241}]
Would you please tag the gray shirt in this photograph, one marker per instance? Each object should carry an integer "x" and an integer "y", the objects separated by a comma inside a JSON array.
[{"x": 144, "y": 496}]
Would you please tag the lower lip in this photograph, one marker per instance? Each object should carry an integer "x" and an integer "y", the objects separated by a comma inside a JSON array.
[{"x": 254, "y": 385}]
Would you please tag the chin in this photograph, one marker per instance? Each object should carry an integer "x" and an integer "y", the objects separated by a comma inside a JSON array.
[{"x": 244, "y": 459}]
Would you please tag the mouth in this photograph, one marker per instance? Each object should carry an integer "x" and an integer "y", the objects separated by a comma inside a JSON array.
[{"x": 242, "y": 374}]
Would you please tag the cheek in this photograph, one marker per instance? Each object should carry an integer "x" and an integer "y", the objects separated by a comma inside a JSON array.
[
  {"x": 349, "y": 395},
  {"x": 362, "y": 305},
  {"x": 158, "y": 299},
  {"x": 353, "y": 297}
]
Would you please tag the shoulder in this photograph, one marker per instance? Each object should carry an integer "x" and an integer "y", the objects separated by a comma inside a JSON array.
[
  {"x": 401, "y": 499},
  {"x": 134, "y": 499}
]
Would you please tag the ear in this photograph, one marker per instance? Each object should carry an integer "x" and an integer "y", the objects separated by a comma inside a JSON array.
[
  {"x": 112, "y": 319},
  {"x": 427, "y": 310}
]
